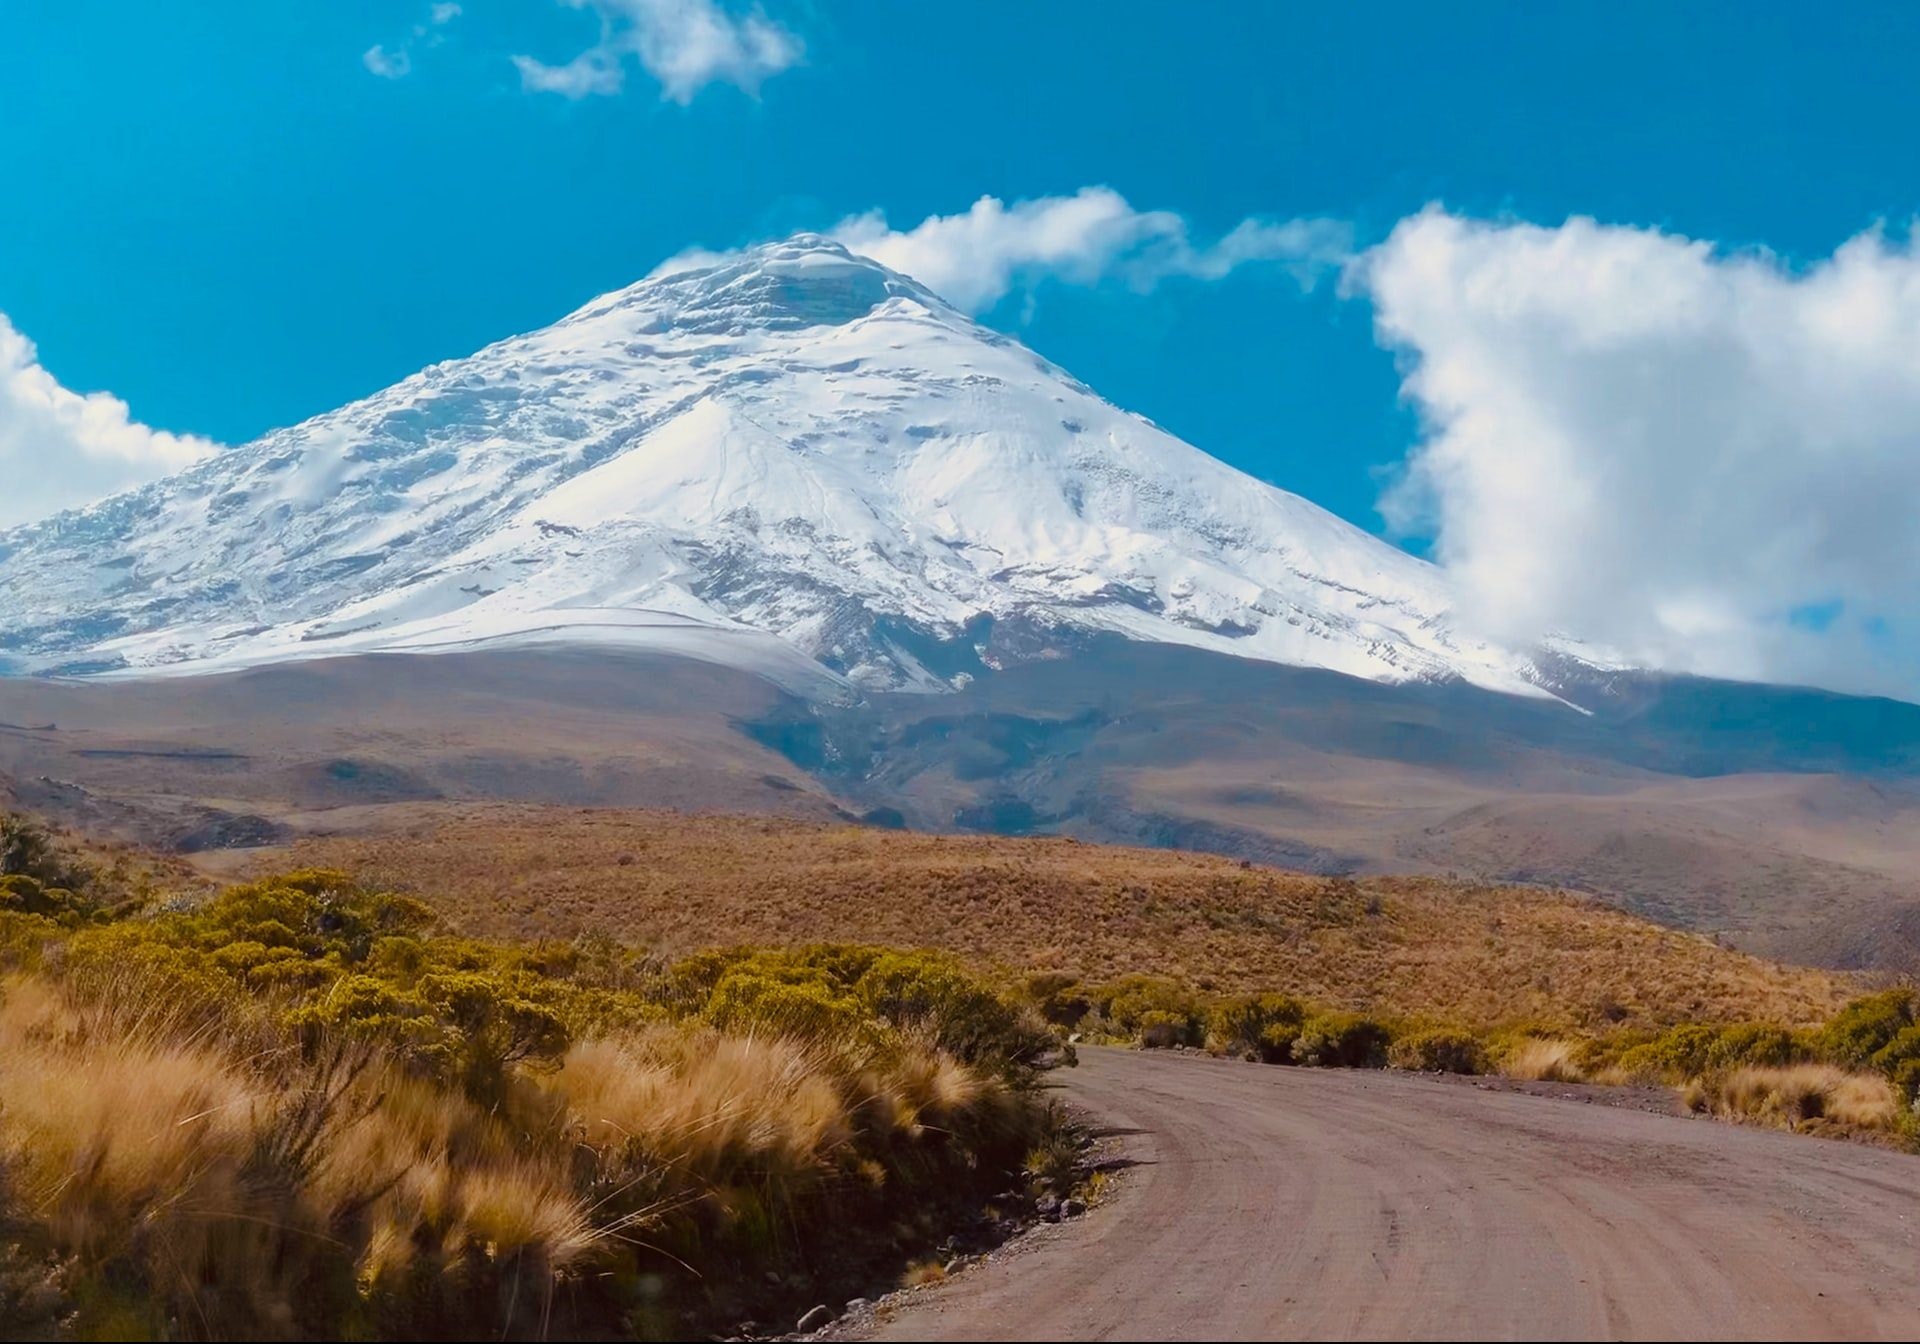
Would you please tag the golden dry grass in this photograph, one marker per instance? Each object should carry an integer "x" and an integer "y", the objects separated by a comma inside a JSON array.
[
  {"x": 253, "y": 1193},
  {"x": 924, "y": 1274},
  {"x": 149, "y": 1140},
  {"x": 1542, "y": 1060},
  {"x": 1797, "y": 1096},
  {"x": 1424, "y": 947}
]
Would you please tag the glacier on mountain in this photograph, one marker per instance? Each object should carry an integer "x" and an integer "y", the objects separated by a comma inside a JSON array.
[{"x": 792, "y": 459}]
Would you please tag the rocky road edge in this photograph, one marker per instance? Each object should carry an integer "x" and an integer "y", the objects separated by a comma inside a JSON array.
[{"x": 1047, "y": 1219}]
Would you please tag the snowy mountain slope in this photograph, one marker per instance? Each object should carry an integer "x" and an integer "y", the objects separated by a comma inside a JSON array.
[{"x": 794, "y": 460}]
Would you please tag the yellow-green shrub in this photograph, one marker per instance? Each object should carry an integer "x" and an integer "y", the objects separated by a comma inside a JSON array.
[
  {"x": 752, "y": 1001},
  {"x": 934, "y": 995},
  {"x": 1676, "y": 1054},
  {"x": 1341, "y": 1040},
  {"x": 1866, "y": 1026},
  {"x": 1263, "y": 1025},
  {"x": 1058, "y": 997},
  {"x": 1156, "y": 1012},
  {"x": 1437, "y": 1050},
  {"x": 1899, "y": 1060},
  {"x": 1756, "y": 1044}
]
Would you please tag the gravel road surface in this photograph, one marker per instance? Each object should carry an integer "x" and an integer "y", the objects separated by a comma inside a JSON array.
[{"x": 1277, "y": 1203}]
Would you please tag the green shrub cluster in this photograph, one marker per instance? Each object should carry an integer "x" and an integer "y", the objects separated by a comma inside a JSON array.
[
  {"x": 1341, "y": 1041},
  {"x": 1058, "y": 997},
  {"x": 858, "y": 1090},
  {"x": 855, "y": 993},
  {"x": 1878, "y": 1032},
  {"x": 319, "y": 956},
  {"x": 1438, "y": 1050},
  {"x": 1157, "y": 1012},
  {"x": 1875, "y": 1032},
  {"x": 40, "y": 880},
  {"x": 1261, "y": 1026},
  {"x": 1691, "y": 1050},
  {"x": 1866, "y": 1027}
]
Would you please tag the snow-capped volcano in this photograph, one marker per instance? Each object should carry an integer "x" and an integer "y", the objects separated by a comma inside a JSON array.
[{"x": 793, "y": 459}]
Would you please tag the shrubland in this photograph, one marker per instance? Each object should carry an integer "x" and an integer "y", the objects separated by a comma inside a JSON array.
[
  {"x": 315, "y": 1106},
  {"x": 1407, "y": 947},
  {"x": 302, "y": 1108},
  {"x": 1857, "y": 1074},
  {"x": 1170, "y": 949}
]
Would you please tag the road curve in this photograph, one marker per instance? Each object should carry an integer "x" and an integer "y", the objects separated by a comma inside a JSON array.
[{"x": 1275, "y": 1203}]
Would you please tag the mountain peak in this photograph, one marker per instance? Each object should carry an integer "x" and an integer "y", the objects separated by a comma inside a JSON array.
[
  {"x": 788, "y": 457},
  {"x": 807, "y": 280}
]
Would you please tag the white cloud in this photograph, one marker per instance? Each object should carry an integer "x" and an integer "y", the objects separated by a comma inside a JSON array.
[
  {"x": 974, "y": 259},
  {"x": 1707, "y": 461},
  {"x": 594, "y": 71},
  {"x": 60, "y": 449},
  {"x": 684, "y": 44},
  {"x": 398, "y": 63},
  {"x": 387, "y": 64}
]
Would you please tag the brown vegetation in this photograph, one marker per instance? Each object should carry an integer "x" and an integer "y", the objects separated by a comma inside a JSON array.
[
  {"x": 1417, "y": 947},
  {"x": 300, "y": 1109},
  {"x": 1543, "y": 1060},
  {"x": 1817, "y": 1098}
]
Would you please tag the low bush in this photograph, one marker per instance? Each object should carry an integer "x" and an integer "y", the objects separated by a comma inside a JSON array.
[
  {"x": 1059, "y": 998},
  {"x": 1437, "y": 1050},
  {"x": 1341, "y": 1041},
  {"x": 934, "y": 994},
  {"x": 1675, "y": 1055},
  {"x": 40, "y": 877},
  {"x": 27, "y": 849},
  {"x": 1262, "y": 1026},
  {"x": 1864, "y": 1027},
  {"x": 1899, "y": 1060},
  {"x": 1156, "y": 1013},
  {"x": 1758, "y": 1044}
]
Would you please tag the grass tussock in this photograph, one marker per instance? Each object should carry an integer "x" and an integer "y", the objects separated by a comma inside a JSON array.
[
  {"x": 1546, "y": 1060},
  {"x": 1475, "y": 955},
  {"x": 924, "y": 1274},
  {"x": 300, "y": 1110},
  {"x": 1801, "y": 1096}
]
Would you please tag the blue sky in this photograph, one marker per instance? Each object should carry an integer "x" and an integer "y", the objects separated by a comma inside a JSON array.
[{"x": 234, "y": 215}]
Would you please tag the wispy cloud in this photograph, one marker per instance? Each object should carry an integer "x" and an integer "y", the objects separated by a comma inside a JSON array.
[
  {"x": 975, "y": 258},
  {"x": 397, "y": 63},
  {"x": 1705, "y": 460},
  {"x": 684, "y": 44},
  {"x": 60, "y": 449},
  {"x": 594, "y": 71},
  {"x": 387, "y": 64}
]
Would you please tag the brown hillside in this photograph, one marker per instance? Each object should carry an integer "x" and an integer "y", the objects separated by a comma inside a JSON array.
[{"x": 1421, "y": 946}]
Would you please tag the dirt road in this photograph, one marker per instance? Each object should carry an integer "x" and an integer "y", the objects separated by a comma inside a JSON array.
[{"x": 1275, "y": 1203}]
